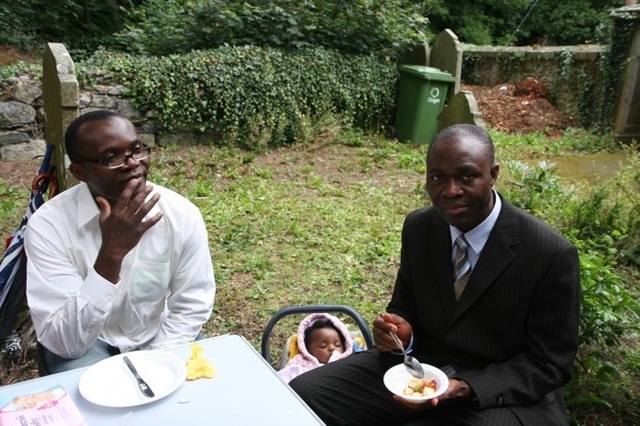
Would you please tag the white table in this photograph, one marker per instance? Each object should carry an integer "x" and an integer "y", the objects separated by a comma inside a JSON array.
[{"x": 246, "y": 391}]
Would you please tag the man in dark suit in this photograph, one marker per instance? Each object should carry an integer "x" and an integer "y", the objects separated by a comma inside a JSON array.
[{"x": 484, "y": 290}]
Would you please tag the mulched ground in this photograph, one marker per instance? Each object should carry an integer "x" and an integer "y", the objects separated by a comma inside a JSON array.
[{"x": 523, "y": 107}]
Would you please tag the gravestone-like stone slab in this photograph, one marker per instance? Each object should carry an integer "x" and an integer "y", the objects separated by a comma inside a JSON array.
[
  {"x": 416, "y": 55},
  {"x": 446, "y": 55},
  {"x": 461, "y": 108},
  {"x": 627, "y": 119},
  {"x": 61, "y": 101}
]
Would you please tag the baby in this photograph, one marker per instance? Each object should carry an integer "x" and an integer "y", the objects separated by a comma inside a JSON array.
[{"x": 321, "y": 338}]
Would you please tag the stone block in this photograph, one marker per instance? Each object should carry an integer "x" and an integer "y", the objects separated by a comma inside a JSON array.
[
  {"x": 23, "y": 151},
  {"x": 25, "y": 92},
  {"x": 103, "y": 102},
  {"x": 15, "y": 114},
  {"x": 184, "y": 139},
  {"x": 147, "y": 138},
  {"x": 115, "y": 90},
  {"x": 85, "y": 99},
  {"x": 127, "y": 109},
  {"x": 11, "y": 138}
]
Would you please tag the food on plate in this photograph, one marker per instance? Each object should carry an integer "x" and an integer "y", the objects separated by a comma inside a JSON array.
[
  {"x": 420, "y": 387},
  {"x": 416, "y": 391},
  {"x": 198, "y": 366}
]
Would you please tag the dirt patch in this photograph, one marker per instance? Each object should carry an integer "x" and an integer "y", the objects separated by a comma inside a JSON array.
[
  {"x": 18, "y": 174},
  {"x": 9, "y": 56}
]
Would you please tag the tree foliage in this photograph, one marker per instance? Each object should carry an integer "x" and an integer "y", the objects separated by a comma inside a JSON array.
[
  {"x": 355, "y": 26},
  {"x": 521, "y": 22},
  {"x": 162, "y": 27},
  {"x": 78, "y": 23}
]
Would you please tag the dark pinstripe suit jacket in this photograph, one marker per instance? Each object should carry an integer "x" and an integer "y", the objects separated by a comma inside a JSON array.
[{"x": 513, "y": 335}]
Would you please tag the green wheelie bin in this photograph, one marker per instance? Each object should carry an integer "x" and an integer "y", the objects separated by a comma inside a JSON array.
[{"x": 422, "y": 93}]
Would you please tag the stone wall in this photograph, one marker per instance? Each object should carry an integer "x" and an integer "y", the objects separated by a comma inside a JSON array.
[{"x": 21, "y": 118}]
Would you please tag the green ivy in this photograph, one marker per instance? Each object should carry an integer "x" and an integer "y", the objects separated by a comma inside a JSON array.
[
  {"x": 9, "y": 73},
  {"x": 252, "y": 95}
]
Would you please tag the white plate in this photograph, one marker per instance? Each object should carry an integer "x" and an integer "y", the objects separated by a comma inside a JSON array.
[
  {"x": 397, "y": 377},
  {"x": 110, "y": 383}
]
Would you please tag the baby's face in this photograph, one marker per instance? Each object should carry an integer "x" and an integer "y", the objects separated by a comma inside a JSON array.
[
  {"x": 32, "y": 401},
  {"x": 323, "y": 342}
]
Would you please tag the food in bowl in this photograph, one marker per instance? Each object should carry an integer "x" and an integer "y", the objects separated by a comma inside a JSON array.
[
  {"x": 399, "y": 381},
  {"x": 420, "y": 387}
]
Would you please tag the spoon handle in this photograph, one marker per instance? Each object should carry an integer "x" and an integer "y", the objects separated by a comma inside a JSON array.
[{"x": 398, "y": 342}]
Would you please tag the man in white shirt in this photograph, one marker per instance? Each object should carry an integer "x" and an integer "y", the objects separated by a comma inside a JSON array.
[{"x": 115, "y": 263}]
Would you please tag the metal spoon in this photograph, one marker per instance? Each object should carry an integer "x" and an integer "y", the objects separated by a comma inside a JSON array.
[{"x": 413, "y": 365}]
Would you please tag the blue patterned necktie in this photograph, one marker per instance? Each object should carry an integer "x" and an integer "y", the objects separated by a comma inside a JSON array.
[{"x": 461, "y": 266}]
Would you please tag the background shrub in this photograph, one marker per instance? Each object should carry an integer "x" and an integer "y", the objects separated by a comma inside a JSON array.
[
  {"x": 253, "y": 95},
  {"x": 522, "y": 22},
  {"x": 354, "y": 26},
  {"x": 162, "y": 27}
]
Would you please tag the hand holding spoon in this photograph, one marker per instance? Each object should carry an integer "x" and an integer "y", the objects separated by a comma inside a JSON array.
[{"x": 413, "y": 365}]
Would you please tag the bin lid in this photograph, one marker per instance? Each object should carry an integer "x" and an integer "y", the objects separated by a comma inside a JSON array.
[{"x": 427, "y": 73}]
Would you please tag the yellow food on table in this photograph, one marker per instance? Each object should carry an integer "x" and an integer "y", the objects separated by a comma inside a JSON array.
[{"x": 198, "y": 366}]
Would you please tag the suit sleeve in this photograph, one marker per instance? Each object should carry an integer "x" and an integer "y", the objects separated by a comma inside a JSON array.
[{"x": 403, "y": 301}]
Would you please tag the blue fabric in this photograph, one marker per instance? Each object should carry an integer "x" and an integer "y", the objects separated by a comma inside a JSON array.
[{"x": 97, "y": 352}]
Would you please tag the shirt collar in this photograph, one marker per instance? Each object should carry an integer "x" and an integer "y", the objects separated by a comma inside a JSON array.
[
  {"x": 87, "y": 207},
  {"x": 478, "y": 236}
]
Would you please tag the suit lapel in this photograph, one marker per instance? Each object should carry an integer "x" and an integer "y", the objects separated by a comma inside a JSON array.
[
  {"x": 437, "y": 262},
  {"x": 431, "y": 259},
  {"x": 496, "y": 255}
]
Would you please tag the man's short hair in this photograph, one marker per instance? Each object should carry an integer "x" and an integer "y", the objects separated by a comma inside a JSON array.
[
  {"x": 465, "y": 129},
  {"x": 71, "y": 135}
]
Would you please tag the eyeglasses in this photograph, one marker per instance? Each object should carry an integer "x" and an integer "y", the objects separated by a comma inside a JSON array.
[{"x": 118, "y": 161}]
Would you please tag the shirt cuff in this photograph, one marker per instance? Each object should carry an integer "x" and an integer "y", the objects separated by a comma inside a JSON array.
[{"x": 99, "y": 291}]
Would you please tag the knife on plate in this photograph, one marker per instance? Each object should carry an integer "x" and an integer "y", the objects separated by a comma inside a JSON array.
[{"x": 144, "y": 387}]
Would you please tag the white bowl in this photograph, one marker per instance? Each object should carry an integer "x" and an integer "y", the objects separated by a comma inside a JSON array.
[{"x": 397, "y": 378}]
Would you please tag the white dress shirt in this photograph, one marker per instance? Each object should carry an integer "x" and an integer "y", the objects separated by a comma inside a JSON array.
[
  {"x": 166, "y": 289},
  {"x": 478, "y": 236}
]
